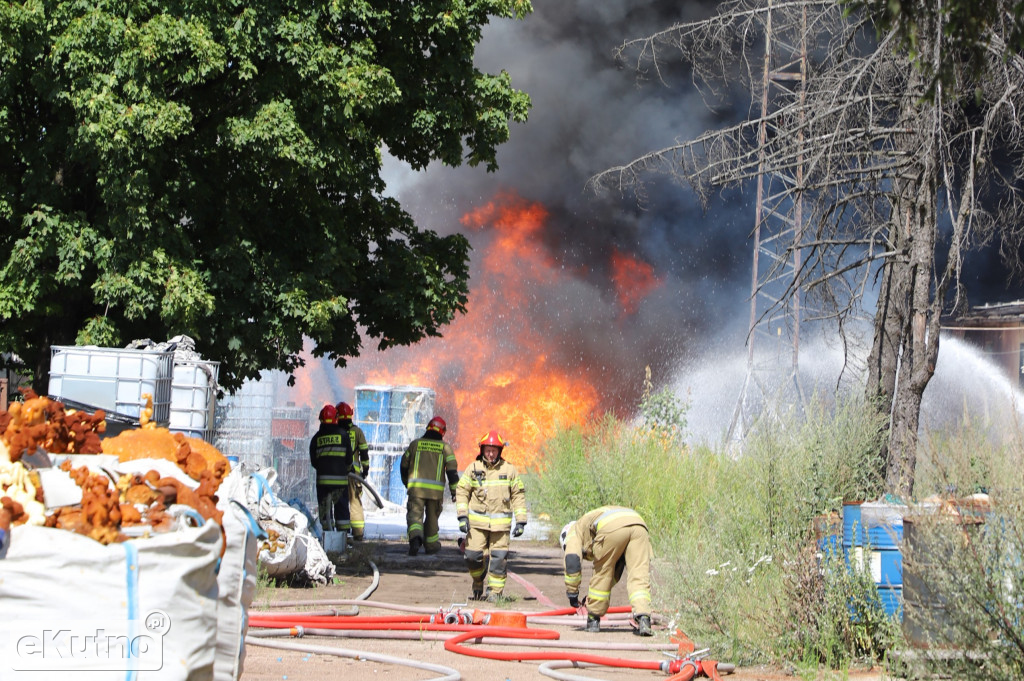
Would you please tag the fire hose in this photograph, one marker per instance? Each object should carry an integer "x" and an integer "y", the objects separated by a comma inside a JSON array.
[
  {"x": 354, "y": 477},
  {"x": 458, "y": 628},
  {"x": 478, "y": 626}
]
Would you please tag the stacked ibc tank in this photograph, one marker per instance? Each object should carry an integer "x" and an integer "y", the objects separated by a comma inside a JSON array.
[
  {"x": 182, "y": 385},
  {"x": 391, "y": 417},
  {"x": 243, "y": 422}
]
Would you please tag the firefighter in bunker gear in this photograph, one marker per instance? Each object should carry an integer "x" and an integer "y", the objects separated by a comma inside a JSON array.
[
  {"x": 426, "y": 463},
  {"x": 332, "y": 461},
  {"x": 616, "y": 539},
  {"x": 489, "y": 494},
  {"x": 360, "y": 451}
]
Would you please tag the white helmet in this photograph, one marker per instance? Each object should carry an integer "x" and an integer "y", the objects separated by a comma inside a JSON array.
[{"x": 565, "y": 534}]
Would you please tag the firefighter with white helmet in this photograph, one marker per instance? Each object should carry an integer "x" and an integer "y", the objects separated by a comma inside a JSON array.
[
  {"x": 426, "y": 463},
  {"x": 490, "y": 494},
  {"x": 332, "y": 461},
  {"x": 616, "y": 539},
  {"x": 359, "y": 449}
]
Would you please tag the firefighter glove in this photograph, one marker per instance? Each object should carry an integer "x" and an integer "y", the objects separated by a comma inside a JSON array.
[
  {"x": 453, "y": 494},
  {"x": 574, "y": 600},
  {"x": 518, "y": 529},
  {"x": 463, "y": 524}
]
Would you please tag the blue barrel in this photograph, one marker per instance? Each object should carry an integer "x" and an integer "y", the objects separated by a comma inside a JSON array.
[
  {"x": 396, "y": 490},
  {"x": 373, "y": 412}
]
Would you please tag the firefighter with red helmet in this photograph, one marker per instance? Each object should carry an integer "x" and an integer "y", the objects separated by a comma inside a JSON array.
[
  {"x": 426, "y": 463},
  {"x": 490, "y": 494},
  {"x": 616, "y": 539},
  {"x": 332, "y": 460},
  {"x": 355, "y": 442}
]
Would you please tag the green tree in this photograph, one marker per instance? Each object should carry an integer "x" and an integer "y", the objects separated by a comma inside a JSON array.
[{"x": 214, "y": 169}]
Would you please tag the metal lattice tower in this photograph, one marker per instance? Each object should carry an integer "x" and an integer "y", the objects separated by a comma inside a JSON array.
[{"x": 771, "y": 386}]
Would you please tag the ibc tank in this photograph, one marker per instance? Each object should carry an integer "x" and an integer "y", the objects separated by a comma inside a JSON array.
[
  {"x": 113, "y": 379},
  {"x": 194, "y": 398},
  {"x": 391, "y": 417}
]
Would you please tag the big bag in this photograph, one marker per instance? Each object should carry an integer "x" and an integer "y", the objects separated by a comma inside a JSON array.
[
  {"x": 165, "y": 585},
  {"x": 236, "y": 585}
]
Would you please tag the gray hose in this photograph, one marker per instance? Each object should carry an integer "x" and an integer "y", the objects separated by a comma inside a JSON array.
[
  {"x": 376, "y": 497},
  {"x": 449, "y": 674},
  {"x": 549, "y": 667},
  {"x": 354, "y": 602},
  {"x": 348, "y": 601}
]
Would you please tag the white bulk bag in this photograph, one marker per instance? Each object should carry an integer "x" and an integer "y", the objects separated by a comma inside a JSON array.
[
  {"x": 236, "y": 583},
  {"x": 56, "y": 577}
]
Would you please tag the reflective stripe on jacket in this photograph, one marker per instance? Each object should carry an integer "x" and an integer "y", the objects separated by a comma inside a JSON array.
[
  {"x": 424, "y": 464},
  {"x": 330, "y": 455},
  {"x": 490, "y": 496}
]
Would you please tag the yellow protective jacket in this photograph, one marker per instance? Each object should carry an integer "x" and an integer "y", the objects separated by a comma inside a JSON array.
[
  {"x": 491, "y": 495},
  {"x": 580, "y": 540},
  {"x": 425, "y": 463}
]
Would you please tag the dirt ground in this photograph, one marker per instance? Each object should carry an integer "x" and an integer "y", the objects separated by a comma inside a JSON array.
[{"x": 439, "y": 581}]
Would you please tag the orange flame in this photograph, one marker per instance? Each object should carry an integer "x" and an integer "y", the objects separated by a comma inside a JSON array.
[
  {"x": 493, "y": 365},
  {"x": 499, "y": 366},
  {"x": 633, "y": 280}
]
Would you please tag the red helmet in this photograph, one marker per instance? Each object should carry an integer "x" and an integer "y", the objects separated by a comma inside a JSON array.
[
  {"x": 492, "y": 438},
  {"x": 328, "y": 414},
  {"x": 344, "y": 411},
  {"x": 437, "y": 424}
]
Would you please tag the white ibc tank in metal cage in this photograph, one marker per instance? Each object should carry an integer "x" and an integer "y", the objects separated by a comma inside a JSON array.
[
  {"x": 113, "y": 379},
  {"x": 194, "y": 398}
]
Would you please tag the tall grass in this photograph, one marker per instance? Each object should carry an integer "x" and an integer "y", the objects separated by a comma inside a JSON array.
[
  {"x": 963, "y": 566},
  {"x": 726, "y": 529}
]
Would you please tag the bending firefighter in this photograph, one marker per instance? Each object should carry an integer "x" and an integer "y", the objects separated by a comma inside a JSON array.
[
  {"x": 616, "y": 539},
  {"x": 332, "y": 460},
  {"x": 425, "y": 464},
  {"x": 487, "y": 497},
  {"x": 360, "y": 451}
]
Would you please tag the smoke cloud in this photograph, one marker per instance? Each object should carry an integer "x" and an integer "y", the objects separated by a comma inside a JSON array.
[{"x": 590, "y": 113}]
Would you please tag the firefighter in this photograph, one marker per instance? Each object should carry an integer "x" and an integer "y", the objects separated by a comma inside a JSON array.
[
  {"x": 616, "y": 539},
  {"x": 360, "y": 451},
  {"x": 422, "y": 465},
  {"x": 490, "y": 492},
  {"x": 332, "y": 461}
]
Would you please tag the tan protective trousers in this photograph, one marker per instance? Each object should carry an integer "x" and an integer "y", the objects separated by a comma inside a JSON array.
[
  {"x": 355, "y": 509},
  {"x": 484, "y": 544},
  {"x": 421, "y": 521},
  {"x": 626, "y": 548}
]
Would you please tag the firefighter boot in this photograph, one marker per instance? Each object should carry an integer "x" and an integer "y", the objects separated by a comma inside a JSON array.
[
  {"x": 643, "y": 626},
  {"x": 414, "y": 545},
  {"x": 593, "y": 624}
]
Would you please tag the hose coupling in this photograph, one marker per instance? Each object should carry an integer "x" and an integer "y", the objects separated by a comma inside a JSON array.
[{"x": 297, "y": 631}]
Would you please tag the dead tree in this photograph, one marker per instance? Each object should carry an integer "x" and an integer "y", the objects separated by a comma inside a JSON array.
[{"x": 897, "y": 187}]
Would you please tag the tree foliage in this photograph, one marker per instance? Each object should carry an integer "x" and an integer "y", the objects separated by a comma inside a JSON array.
[
  {"x": 214, "y": 169},
  {"x": 897, "y": 187},
  {"x": 967, "y": 28}
]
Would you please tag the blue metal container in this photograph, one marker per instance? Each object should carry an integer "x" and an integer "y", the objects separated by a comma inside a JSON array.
[
  {"x": 872, "y": 535},
  {"x": 853, "y": 531},
  {"x": 891, "y": 598}
]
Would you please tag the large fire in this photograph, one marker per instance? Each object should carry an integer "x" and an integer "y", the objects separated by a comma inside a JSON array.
[{"x": 498, "y": 366}]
